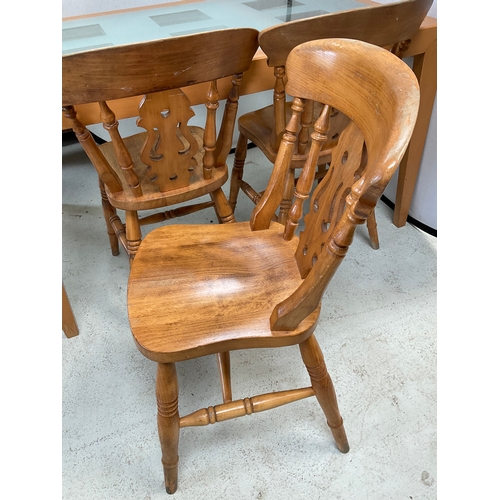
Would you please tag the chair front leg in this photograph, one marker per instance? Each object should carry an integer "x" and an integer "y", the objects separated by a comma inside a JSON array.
[
  {"x": 133, "y": 233},
  {"x": 325, "y": 392},
  {"x": 167, "y": 392},
  {"x": 223, "y": 209}
]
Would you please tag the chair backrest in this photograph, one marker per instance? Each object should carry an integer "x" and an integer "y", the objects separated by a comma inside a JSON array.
[
  {"x": 379, "y": 93},
  {"x": 158, "y": 70},
  {"x": 390, "y": 25}
]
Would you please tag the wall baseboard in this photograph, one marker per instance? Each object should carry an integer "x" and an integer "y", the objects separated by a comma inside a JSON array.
[{"x": 410, "y": 220}]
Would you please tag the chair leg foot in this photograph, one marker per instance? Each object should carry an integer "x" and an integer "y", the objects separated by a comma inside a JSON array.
[
  {"x": 168, "y": 422},
  {"x": 170, "y": 479},
  {"x": 325, "y": 392},
  {"x": 340, "y": 438},
  {"x": 113, "y": 243}
]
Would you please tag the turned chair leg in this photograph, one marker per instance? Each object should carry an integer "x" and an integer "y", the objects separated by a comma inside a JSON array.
[
  {"x": 133, "y": 233},
  {"x": 109, "y": 216},
  {"x": 371, "y": 224},
  {"x": 325, "y": 392},
  {"x": 167, "y": 392},
  {"x": 240, "y": 155},
  {"x": 222, "y": 207}
]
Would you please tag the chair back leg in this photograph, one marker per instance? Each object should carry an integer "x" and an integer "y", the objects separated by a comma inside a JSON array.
[
  {"x": 325, "y": 392},
  {"x": 224, "y": 365},
  {"x": 240, "y": 155}
]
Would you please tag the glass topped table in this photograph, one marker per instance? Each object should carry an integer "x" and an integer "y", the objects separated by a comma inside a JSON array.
[
  {"x": 187, "y": 17},
  {"x": 183, "y": 17}
]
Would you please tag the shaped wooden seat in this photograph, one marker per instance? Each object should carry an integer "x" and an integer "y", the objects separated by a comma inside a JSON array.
[
  {"x": 171, "y": 163},
  {"x": 196, "y": 290},
  {"x": 390, "y": 26}
]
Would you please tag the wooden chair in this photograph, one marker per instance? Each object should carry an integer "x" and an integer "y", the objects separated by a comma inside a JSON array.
[
  {"x": 196, "y": 290},
  {"x": 171, "y": 162},
  {"x": 390, "y": 26}
]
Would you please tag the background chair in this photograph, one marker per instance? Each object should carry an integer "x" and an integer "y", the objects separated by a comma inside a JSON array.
[
  {"x": 170, "y": 163},
  {"x": 196, "y": 290},
  {"x": 390, "y": 26}
]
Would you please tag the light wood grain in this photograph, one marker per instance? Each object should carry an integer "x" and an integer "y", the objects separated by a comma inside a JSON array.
[
  {"x": 392, "y": 26},
  {"x": 379, "y": 24},
  {"x": 196, "y": 290},
  {"x": 171, "y": 163}
]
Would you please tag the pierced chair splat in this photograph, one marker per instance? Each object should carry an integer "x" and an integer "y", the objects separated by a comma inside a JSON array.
[{"x": 171, "y": 163}]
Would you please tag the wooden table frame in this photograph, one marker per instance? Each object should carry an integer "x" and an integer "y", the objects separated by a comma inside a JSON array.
[{"x": 423, "y": 49}]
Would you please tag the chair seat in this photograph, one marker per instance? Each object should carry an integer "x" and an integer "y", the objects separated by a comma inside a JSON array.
[
  {"x": 256, "y": 126},
  {"x": 152, "y": 197},
  {"x": 201, "y": 289}
]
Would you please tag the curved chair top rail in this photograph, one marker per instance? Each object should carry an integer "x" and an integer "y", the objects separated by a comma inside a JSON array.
[
  {"x": 381, "y": 25},
  {"x": 146, "y": 67},
  {"x": 373, "y": 87}
]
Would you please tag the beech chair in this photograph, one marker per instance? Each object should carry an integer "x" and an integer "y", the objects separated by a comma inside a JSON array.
[
  {"x": 390, "y": 26},
  {"x": 171, "y": 162},
  {"x": 197, "y": 290}
]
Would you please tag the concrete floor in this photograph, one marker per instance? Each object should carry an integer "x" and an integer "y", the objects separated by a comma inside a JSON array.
[{"x": 378, "y": 335}]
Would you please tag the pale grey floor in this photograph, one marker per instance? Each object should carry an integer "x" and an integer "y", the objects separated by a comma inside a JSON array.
[{"x": 378, "y": 334}]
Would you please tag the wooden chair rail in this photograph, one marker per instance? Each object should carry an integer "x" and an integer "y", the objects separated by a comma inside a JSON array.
[{"x": 242, "y": 407}]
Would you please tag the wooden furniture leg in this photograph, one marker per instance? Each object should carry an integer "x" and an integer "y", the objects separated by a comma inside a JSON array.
[
  {"x": 167, "y": 392},
  {"x": 371, "y": 224},
  {"x": 325, "y": 392},
  {"x": 222, "y": 207},
  {"x": 69, "y": 325},
  {"x": 224, "y": 365},
  {"x": 110, "y": 217},
  {"x": 240, "y": 155},
  {"x": 425, "y": 69},
  {"x": 133, "y": 232}
]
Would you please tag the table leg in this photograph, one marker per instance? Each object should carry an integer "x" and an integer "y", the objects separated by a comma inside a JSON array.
[
  {"x": 68, "y": 319},
  {"x": 425, "y": 69}
]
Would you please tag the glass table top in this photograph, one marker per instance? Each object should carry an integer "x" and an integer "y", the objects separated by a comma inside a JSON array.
[{"x": 156, "y": 22}]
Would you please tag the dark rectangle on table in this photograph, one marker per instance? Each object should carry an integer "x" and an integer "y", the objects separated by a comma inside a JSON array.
[
  {"x": 186, "y": 16},
  {"x": 271, "y": 4},
  {"x": 82, "y": 32}
]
